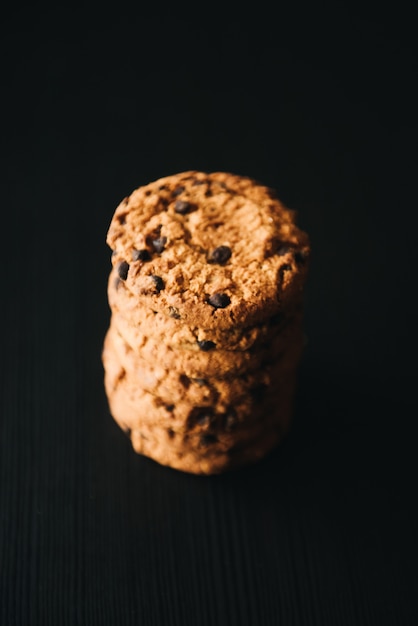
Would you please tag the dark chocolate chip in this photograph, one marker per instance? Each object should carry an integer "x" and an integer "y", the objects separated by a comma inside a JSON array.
[
  {"x": 123, "y": 269},
  {"x": 219, "y": 300},
  {"x": 121, "y": 219},
  {"x": 183, "y": 207},
  {"x": 200, "y": 381},
  {"x": 169, "y": 407},
  {"x": 301, "y": 256},
  {"x": 173, "y": 312},
  {"x": 200, "y": 416},
  {"x": 158, "y": 281},
  {"x": 159, "y": 244},
  {"x": 185, "y": 380},
  {"x": 207, "y": 439},
  {"x": 220, "y": 255},
  {"x": 141, "y": 255},
  {"x": 206, "y": 345},
  {"x": 178, "y": 190},
  {"x": 283, "y": 249}
]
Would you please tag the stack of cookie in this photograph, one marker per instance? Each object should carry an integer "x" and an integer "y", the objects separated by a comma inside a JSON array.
[{"x": 206, "y": 328}]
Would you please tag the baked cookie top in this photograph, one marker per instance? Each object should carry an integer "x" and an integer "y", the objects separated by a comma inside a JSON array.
[{"x": 215, "y": 250}]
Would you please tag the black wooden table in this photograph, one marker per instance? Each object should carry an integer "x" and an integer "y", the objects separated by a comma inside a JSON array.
[{"x": 324, "y": 530}]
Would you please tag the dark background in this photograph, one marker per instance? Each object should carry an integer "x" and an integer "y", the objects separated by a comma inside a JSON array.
[{"x": 318, "y": 102}]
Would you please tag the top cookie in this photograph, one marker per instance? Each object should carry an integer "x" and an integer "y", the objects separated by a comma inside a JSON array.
[{"x": 213, "y": 250}]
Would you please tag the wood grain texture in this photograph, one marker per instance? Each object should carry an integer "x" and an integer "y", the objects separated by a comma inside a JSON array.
[{"x": 324, "y": 532}]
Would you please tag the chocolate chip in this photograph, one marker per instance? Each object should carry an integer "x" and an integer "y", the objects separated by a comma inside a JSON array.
[
  {"x": 169, "y": 407},
  {"x": 207, "y": 439},
  {"x": 178, "y": 190},
  {"x": 158, "y": 281},
  {"x": 121, "y": 219},
  {"x": 283, "y": 249},
  {"x": 123, "y": 269},
  {"x": 159, "y": 244},
  {"x": 182, "y": 207},
  {"x": 200, "y": 381},
  {"x": 185, "y": 380},
  {"x": 200, "y": 416},
  {"x": 141, "y": 255},
  {"x": 220, "y": 255},
  {"x": 219, "y": 300},
  {"x": 206, "y": 345},
  {"x": 174, "y": 312},
  {"x": 203, "y": 417},
  {"x": 301, "y": 256}
]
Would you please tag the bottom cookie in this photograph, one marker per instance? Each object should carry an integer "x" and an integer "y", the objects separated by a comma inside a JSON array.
[
  {"x": 204, "y": 446},
  {"x": 208, "y": 462}
]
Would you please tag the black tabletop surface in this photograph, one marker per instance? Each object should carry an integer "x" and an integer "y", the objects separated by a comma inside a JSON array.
[{"x": 318, "y": 104}]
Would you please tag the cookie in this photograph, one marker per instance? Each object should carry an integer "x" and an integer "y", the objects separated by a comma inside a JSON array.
[
  {"x": 173, "y": 386},
  {"x": 176, "y": 334},
  {"x": 202, "y": 360},
  {"x": 203, "y": 461},
  {"x": 214, "y": 250},
  {"x": 207, "y": 448},
  {"x": 246, "y": 410}
]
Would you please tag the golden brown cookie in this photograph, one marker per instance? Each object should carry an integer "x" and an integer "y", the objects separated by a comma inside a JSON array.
[
  {"x": 200, "y": 447},
  {"x": 173, "y": 386},
  {"x": 206, "y": 460},
  {"x": 177, "y": 334},
  {"x": 205, "y": 359},
  {"x": 186, "y": 416},
  {"x": 214, "y": 250}
]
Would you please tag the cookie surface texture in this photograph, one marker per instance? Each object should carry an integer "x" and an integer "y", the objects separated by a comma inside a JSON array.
[{"x": 214, "y": 250}]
